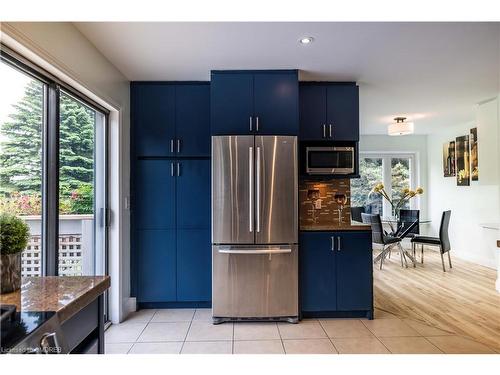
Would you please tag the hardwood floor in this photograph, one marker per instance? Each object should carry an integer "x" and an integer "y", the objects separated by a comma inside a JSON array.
[{"x": 463, "y": 300}]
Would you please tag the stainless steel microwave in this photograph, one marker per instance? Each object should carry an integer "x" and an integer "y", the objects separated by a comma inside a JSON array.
[{"x": 333, "y": 160}]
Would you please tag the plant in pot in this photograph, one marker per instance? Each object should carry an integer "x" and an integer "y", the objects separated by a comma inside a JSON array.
[{"x": 14, "y": 235}]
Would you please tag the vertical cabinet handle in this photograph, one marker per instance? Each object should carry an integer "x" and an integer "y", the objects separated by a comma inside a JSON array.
[
  {"x": 324, "y": 130},
  {"x": 172, "y": 145},
  {"x": 250, "y": 187},
  {"x": 257, "y": 123},
  {"x": 178, "y": 145},
  {"x": 257, "y": 199},
  {"x": 178, "y": 169},
  {"x": 338, "y": 243},
  {"x": 251, "y": 124},
  {"x": 330, "y": 126},
  {"x": 172, "y": 169},
  {"x": 333, "y": 242}
]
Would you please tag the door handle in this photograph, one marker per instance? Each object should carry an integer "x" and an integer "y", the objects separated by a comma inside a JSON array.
[
  {"x": 330, "y": 126},
  {"x": 178, "y": 145},
  {"x": 251, "y": 125},
  {"x": 257, "y": 123},
  {"x": 333, "y": 242},
  {"x": 324, "y": 130},
  {"x": 172, "y": 145},
  {"x": 255, "y": 251},
  {"x": 250, "y": 187},
  {"x": 338, "y": 243},
  {"x": 178, "y": 169},
  {"x": 257, "y": 199},
  {"x": 172, "y": 169}
]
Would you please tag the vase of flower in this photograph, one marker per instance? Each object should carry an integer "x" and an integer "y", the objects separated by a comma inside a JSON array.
[{"x": 398, "y": 200}]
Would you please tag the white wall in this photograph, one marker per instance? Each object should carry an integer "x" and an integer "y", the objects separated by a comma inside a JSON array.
[
  {"x": 409, "y": 143},
  {"x": 470, "y": 205},
  {"x": 62, "y": 50}
]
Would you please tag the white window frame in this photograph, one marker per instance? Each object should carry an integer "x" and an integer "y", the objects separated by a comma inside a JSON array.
[{"x": 386, "y": 174}]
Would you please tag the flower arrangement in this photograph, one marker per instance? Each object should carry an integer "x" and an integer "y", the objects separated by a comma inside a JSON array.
[{"x": 404, "y": 196}]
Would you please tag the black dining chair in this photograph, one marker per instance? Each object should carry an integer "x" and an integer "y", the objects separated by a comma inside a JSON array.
[
  {"x": 380, "y": 237},
  {"x": 407, "y": 218},
  {"x": 443, "y": 241},
  {"x": 356, "y": 213}
]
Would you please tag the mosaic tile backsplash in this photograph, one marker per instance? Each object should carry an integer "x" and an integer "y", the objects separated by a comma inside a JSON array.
[{"x": 325, "y": 203}]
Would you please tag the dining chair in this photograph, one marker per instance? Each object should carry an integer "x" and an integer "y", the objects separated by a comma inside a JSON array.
[
  {"x": 407, "y": 218},
  {"x": 443, "y": 241},
  {"x": 356, "y": 213},
  {"x": 387, "y": 241}
]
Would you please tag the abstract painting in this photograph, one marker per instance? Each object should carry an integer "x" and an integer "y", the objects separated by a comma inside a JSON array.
[
  {"x": 473, "y": 155},
  {"x": 449, "y": 169},
  {"x": 463, "y": 160}
]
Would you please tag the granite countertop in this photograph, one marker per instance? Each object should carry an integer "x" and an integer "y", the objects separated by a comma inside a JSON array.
[
  {"x": 333, "y": 227},
  {"x": 66, "y": 295}
]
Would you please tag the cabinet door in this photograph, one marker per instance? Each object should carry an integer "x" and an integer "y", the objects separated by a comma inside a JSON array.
[
  {"x": 343, "y": 112},
  {"x": 153, "y": 119},
  {"x": 192, "y": 120},
  {"x": 194, "y": 265},
  {"x": 317, "y": 272},
  {"x": 312, "y": 112},
  {"x": 156, "y": 279},
  {"x": 276, "y": 98},
  {"x": 231, "y": 102},
  {"x": 193, "y": 194},
  {"x": 354, "y": 271},
  {"x": 153, "y": 206}
]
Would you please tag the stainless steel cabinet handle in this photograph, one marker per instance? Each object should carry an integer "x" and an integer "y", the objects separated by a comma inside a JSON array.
[
  {"x": 172, "y": 145},
  {"x": 333, "y": 243},
  {"x": 338, "y": 243},
  {"x": 178, "y": 145},
  {"x": 172, "y": 169},
  {"x": 324, "y": 130},
  {"x": 178, "y": 169},
  {"x": 255, "y": 251},
  {"x": 250, "y": 187},
  {"x": 257, "y": 123},
  {"x": 257, "y": 199},
  {"x": 330, "y": 126},
  {"x": 251, "y": 125}
]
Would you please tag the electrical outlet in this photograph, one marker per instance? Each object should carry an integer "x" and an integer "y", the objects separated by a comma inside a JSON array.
[{"x": 318, "y": 204}]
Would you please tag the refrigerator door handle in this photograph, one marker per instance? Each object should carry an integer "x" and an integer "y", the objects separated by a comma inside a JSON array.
[
  {"x": 257, "y": 199},
  {"x": 255, "y": 251},
  {"x": 250, "y": 190}
]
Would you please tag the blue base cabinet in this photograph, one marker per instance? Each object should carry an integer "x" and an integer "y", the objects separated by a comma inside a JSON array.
[{"x": 336, "y": 274}]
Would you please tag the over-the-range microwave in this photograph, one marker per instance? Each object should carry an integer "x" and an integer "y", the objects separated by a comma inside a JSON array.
[{"x": 329, "y": 160}]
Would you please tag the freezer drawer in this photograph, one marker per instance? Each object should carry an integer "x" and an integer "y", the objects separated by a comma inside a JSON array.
[{"x": 255, "y": 282}]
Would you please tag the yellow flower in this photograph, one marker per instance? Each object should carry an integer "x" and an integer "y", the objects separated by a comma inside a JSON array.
[
  {"x": 406, "y": 191},
  {"x": 419, "y": 190},
  {"x": 411, "y": 193}
]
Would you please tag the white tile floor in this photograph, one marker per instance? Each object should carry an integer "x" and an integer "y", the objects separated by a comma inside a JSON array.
[{"x": 190, "y": 331}]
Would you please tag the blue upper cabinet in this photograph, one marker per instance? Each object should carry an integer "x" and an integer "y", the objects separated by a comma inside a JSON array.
[
  {"x": 171, "y": 120},
  {"x": 254, "y": 102},
  {"x": 329, "y": 111},
  {"x": 153, "y": 109},
  {"x": 192, "y": 120}
]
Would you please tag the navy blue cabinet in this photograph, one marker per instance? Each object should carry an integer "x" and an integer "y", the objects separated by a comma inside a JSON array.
[
  {"x": 170, "y": 120},
  {"x": 329, "y": 111},
  {"x": 254, "y": 102},
  {"x": 336, "y": 277}
]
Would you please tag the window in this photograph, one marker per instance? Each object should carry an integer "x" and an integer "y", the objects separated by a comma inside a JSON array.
[
  {"x": 53, "y": 169},
  {"x": 395, "y": 171}
]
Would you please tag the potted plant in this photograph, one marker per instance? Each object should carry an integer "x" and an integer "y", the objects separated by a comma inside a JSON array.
[
  {"x": 398, "y": 200},
  {"x": 14, "y": 235}
]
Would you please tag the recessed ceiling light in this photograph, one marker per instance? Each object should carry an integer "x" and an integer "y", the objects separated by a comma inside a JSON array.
[{"x": 306, "y": 40}]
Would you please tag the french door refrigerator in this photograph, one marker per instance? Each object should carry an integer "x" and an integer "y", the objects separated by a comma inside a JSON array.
[{"x": 254, "y": 228}]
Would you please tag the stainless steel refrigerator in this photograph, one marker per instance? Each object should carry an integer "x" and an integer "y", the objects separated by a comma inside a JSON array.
[{"x": 254, "y": 228}]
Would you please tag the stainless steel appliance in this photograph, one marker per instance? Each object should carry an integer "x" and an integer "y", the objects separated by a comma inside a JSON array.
[
  {"x": 254, "y": 228},
  {"x": 331, "y": 160}
]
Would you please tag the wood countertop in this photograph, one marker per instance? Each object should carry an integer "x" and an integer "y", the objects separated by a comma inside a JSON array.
[{"x": 65, "y": 295}]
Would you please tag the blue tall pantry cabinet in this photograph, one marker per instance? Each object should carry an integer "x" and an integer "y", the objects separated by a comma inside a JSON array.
[{"x": 170, "y": 211}]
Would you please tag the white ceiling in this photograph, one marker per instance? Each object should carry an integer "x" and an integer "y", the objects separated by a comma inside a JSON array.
[{"x": 433, "y": 73}]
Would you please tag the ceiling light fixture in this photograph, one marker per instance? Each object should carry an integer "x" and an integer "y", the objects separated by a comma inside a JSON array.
[
  {"x": 400, "y": 127},
  {"x": 306, "y": 40}
]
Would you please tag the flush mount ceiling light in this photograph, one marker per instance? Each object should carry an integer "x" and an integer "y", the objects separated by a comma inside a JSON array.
[
  {"x": 307, "y": 40},
  {"x": 400, "y": 127}
]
